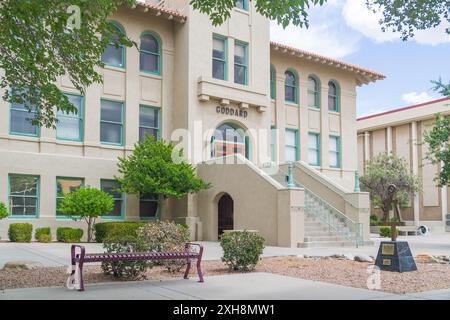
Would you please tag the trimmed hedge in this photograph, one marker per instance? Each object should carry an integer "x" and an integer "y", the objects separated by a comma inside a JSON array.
[
  {"x": 43, "y": 234},
  {"x": 20, "y": 232},
  {"x": 105, "y": 230},
  {"x": 69, "y": 234}
]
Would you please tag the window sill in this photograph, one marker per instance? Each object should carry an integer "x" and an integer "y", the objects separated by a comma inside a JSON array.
[
  {"x": 11, "y": 217},
  {"x": 112, "y": 146},
  {"x": 334, "y": 112},
  {"x": 150, "y": 75},
  {"x": 314, "y": 109},
  {"x": 291, "y": 103},
  {"x": 243, "y": 11},
  {"x": 114, "y": 68}
]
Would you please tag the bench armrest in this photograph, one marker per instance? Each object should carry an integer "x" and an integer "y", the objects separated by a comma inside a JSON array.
[
  {"x": 200, "y": 248},
  {"x": 73, "y": 252}
]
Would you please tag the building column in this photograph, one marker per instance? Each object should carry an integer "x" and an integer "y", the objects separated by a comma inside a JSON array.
[
  {"x": 415, "y": 170},
  {"x": 389, "y": 139}
]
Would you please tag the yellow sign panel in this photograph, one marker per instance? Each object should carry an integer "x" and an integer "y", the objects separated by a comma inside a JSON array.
[
  {"x": 386, "y": 262},
  {"x": 387, "y": 249}
]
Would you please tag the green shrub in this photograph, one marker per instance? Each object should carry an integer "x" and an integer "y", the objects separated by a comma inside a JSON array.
[
  {"x": 43, "y": 235},
  {"x": 241, "y": 249},
  {"x": 20, "y": 232},
  {"x": 127, "y": 270},
  {"x": 73, "y": 235},
  {"x": 386, "y": 232},
  {"x": 165, "y": 236},
  {"x": 104, "y": 230},
  {"x": 374, "y": 220},
  {"x": 3, "y": 211}
]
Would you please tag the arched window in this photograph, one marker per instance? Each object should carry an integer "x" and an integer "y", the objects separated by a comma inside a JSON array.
[
  {"x": 114, "y": 56},
  {"x": 272, "y": 82},
  {"x": 150, "y": 53},
  {"x": 290, "y": 87},
  {"x": 313, "y": 93},
  {"x": 229, "y": 139},
  {"x": 333, "y": 97}
]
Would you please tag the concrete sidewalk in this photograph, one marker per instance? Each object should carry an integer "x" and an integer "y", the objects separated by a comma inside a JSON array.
[
  {"x": 58, "y": 254},
  {"x": 250, "y": 286}
]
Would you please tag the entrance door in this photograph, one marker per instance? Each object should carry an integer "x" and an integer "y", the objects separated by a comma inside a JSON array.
[{"x": 225, "y": 209}]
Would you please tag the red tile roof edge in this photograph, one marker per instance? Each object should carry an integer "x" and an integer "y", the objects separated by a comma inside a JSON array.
[
  {"x": 402, "y": 109},
  {"x": 161, "y": 8},
  {"x": 377, "y": 74}
]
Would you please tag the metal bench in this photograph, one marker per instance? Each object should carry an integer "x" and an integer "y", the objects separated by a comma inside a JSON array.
[{"x": 75, "y": 280}]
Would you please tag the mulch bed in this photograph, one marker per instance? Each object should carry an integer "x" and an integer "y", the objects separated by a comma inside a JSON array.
[{"x": 429, "y": 276}]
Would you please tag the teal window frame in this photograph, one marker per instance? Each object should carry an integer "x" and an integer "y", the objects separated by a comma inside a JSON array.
[
  {"x": 158, "y": 54},
  {"x": 79, "y": 116},
  {"x": 273, "y": 143},
  {"x": 37, "y": 133},
  {"x": 224, "y": 61},
  {"x": 291, "y": 146},
  {"x": 316, "y": 92},
  {"x": 119, "y": 27},
  {"x": 244, "y": 5},
  {"x": 272, "y": 82},
  {"x": 122, "y": 204},
  {"x": 295, "y": 86},
  {"x": 336, "y": 97},
  {"x": 147, "y": 198},
  {"x": 113, "y": 122},
  {"x": 245, "y": 66},
  {"x": 337, "y": 152},
  {"x": 316, "y": 149},
  {"x": 37, "y": 196},
  {"x": 158, "y": 129},
  {"x": 62, "y": 216}
]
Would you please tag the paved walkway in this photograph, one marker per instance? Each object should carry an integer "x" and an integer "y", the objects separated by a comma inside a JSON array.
[
  {"x": 58, "y": 254},
  {"x": 251, "y": 286}
]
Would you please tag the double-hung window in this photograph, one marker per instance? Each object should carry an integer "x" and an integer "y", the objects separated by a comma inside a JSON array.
[
  {"x": 272, "y": 82},
  {"x": 240, "y": 62},
  {"x": 149, "y": 122},
  {"x": 23, "y": 195},
  {"x": 314, "y": 149},
  {"x": 150, "y": 54},
  {"x": 63, "y": 187},
  {"x": 111, "y": 122},
  {"x": 20, "y": 120},
  {"x": 148, "y": 206},
  {"x": 111, "y": 187},
  {"x": 70, "y": 125},
  {"x": 333, "y": 97},
  {"x": 291, "y": 145},
  {"x": 219, "y": 56},
  {"x": 334, "y": 152},
  {"x": 114, "y": 54},
  {"x": 241, "y": 4},
  {"x": 290, "y": 87},
  {"x": 313, "y": 93}
]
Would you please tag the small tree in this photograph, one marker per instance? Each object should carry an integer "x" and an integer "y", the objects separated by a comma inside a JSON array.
[
  {"x": 151, "y": 169},
  {"x": 87, "y": 203},
  {"x": 3, "y": 211},
  {"x": 383, "y": 171}
]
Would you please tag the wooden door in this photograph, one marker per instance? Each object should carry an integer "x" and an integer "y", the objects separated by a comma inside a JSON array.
[{"x": 226, "y": 213}]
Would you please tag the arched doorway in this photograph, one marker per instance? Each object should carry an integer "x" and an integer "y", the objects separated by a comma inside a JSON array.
[
  {"x": 225, "y": 213},
  {"x": 229, "y": 139}
]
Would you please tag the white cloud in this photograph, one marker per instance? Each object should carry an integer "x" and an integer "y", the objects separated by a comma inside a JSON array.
[
  {"x": 361, "y": 19},
  {"x": 415, "y": 97}
]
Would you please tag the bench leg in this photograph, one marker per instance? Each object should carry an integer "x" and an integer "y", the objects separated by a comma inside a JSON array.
[
  {"x": 199, "y": 269},
  {"x": 80, "y": 269},
  {"x": 188, "y": 268}
]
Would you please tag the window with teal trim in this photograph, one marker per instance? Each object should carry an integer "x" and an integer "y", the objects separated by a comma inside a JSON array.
[
  {"x": 333, "y": 97},
  {"x": 334, "y": 153},
  {"x": 114, "y": 54},
  {"x": 240, "y": 62},
  {"x": 70, "y": 125},
  {"x": 111, "y": 122},
  {"x": 241, "y": 4},
  {"x": 20, "y": 120},
  {"x": 149, "y": 122},
  {"x": 63, "y": 187},
  {"x": 314, "y": 149},
  {"x": 313, "y": 93},
  {"x": 23, "y": 195},
  {"x": 150, "y": 53},
  {"x": 291, "y": 145},
  {"x": 111, "y": 187},
  {"x": 148, "y": 206},
  {"x": 272, "y": 82},
  {"x": 273, "y": 143},
  {"x": 290, "y": 87},
  {"x": 219, "y": 56}
]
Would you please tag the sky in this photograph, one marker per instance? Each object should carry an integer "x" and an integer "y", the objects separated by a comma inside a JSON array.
[{"x": 347, "y": 30}]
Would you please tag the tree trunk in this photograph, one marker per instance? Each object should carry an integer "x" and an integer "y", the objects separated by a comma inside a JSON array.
[
  {"x": 385, "y": 214},
  {"x": 89, "y": 230}
]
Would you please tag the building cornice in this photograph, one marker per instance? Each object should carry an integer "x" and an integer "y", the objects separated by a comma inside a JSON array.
[{"x": 160, "y": 11}]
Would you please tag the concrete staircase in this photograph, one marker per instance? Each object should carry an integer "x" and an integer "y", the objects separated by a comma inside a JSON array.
[{"x": 319, "y": 234}]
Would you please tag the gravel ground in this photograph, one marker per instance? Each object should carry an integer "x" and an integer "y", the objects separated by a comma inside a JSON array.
[{"x": 429, "y": 276}]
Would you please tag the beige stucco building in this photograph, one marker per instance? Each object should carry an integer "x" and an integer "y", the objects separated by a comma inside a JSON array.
[
  {"x": 401, "y": 132},
  {"x": 194, "y": 84}
]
